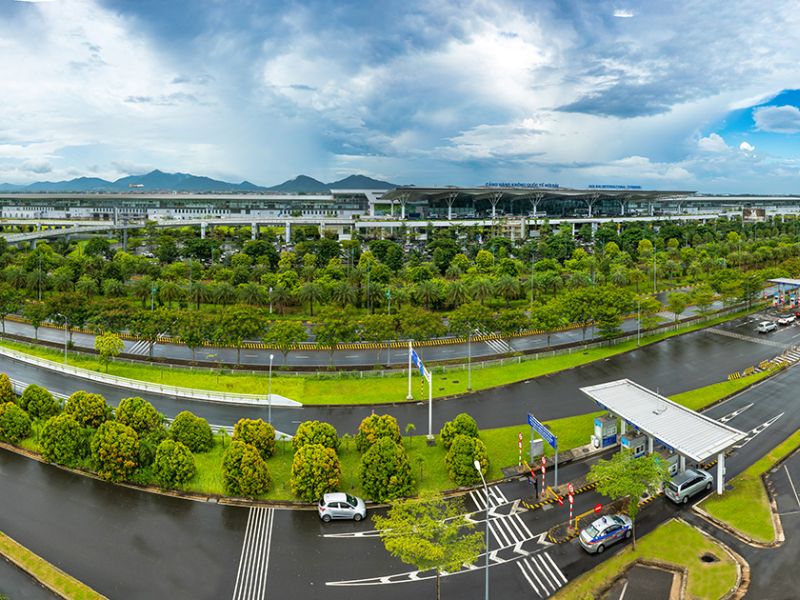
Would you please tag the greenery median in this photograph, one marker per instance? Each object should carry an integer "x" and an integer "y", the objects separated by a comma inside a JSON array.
[
  {"x": 746, "y": 508},
  {"x": 348, "y": 388}
]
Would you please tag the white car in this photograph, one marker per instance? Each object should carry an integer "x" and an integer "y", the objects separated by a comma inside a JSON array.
[
  {"x": 787, "y": 320},
  {"x": 604, "y": 532},
  {"x": 339, "y": 505},
  {"x": 766, "y": 326}
]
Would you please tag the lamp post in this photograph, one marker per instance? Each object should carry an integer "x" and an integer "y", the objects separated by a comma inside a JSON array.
[
  {"x": 477, "y": 465},
  {"x": 638, "y": 321},
  {"x": 270, "y": 299},
  {"x": 269, "y": 391},
  {"x": 60, "y": 316},
  {"x": 469, "y": 361}
]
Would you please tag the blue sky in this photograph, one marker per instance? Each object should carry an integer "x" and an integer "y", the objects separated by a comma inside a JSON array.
[{"x": 695, "y": 95}]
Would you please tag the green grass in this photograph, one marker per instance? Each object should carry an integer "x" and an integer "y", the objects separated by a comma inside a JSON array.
[
  {"x": 702, "y": 397},
  {"x": 746, "y": 507},
  {"x": 674, "y": 542},
  {"x": 350, "y": 388},
  {"x": 41, "y": 570}
]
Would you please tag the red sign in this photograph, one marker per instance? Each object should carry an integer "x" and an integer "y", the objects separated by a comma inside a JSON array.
[
  {"x": 542, "y": 470},
  {"x": 571, "y": 489},
  {"x": 544, "y": 461},
  {"x": 571, "y": 499},
  {"x": 519, "y": 436},
  {"x": 598, "y": 508}
]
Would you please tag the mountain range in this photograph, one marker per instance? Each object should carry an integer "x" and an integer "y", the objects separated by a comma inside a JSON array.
[{"x": 158, "y": 181}]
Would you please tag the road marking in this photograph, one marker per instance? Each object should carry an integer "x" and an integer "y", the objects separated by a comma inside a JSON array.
[
  {"x": 792, "y": 484},
  {"x": 251, "y": 576},
  {"x": 734, "y": 414},
  {"x": 754, "y": 432},
  {"x": 624, "y": 589},
  {"x": 748, "y": 338}
]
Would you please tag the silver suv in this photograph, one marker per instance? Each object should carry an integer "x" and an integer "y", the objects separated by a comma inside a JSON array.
[
  {"x": 685, "y": 485},
  {"x": 339, "y": 505}
]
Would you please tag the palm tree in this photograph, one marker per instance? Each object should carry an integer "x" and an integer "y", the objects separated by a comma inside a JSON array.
[
  {"x": 482, "y": 289},
  {"x": 86, "y": 286},
  {"x": 223, "y": 293},
  {"x": 508, "y": 287},
  {"x": 427, "y": 292},
  {"x": 280, "y": 297},
  {"x": 619, "y": 275},
  {"x": 311, "y": 292},
  {"x": 344, "y": 293},
  {"x": 140, "y": 288},
  {"x": 198, "y": 292},
  {"x": 457, "y": 294},
  {"x": 169, "y": 292},
  {"x": 253, "y": 294}
]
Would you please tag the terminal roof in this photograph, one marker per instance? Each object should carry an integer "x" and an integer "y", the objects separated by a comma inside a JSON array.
[
  {"x": 785, "y": 281},
  {"x": 690, "y": 433}
]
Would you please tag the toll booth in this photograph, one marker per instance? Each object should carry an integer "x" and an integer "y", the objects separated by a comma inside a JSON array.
[
  {"x": 672, "y": 460},
  {"x": 635, "y": 442},
  {"x": 605, "y": 431}
]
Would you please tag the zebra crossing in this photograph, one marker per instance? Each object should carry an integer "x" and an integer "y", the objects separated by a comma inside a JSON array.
[
  {"x": 538, "y": 568},
  {"x": 497, "y": 346},
  {"x": 748, "y": 338},
  {"x": 140, "y": 347},
  {"x": 251, "y": 577}
]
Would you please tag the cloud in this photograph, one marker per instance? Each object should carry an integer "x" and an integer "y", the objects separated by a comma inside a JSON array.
[
  {"x": 712, "y": 143},
  {"x": 622, "y": 13},
  {"x": 745, "y": 147},
  {"x": 37, "y": 166},
  {"x": 777, "y": 119}
]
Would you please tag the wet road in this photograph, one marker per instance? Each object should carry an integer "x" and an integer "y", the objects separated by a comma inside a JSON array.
[{"x": 18, "y": 585}]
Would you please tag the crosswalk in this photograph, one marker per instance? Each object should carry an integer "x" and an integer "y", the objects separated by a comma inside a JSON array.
[
  {"x": 251, "y": 577},
  {"x": 748, "y": 338},
  {"x": 538, "y": 568},
  {"x": 496, "y": 345},
  {"x": 141, "y": 347}
]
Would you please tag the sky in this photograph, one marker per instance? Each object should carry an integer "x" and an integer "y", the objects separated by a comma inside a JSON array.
[{"x": 685, "y": 95}]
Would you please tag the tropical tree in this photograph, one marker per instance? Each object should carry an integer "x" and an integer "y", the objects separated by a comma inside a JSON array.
[
  {"x": 10, "y": 301},
  {"x": 548, "y": 318},
  {"x": 283, "y": 335},
  {"x": 311, "y": 292},
  {"x": 108, "y": 346},
  {"x": 238, "y": 325},
  {"x": 677, "y": 303},
  {"x": 508, "y": 287},
  {"x": 36, "y": 313}
]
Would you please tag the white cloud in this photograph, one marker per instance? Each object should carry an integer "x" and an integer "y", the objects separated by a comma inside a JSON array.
[
  {"x": 777, "y": 119},
  {"x": 745, "y": 147},
  {"x": 623, "y": 13},
  {"x": 712, "y": 143}
]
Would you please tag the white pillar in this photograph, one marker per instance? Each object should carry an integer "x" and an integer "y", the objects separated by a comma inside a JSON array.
[
  {"x": 720, "y": 472},
  {"x": 623, "y": 426},
  {"x": 288, "y": 232},
  {"x": 649, "y": 444},
  {"x": 253, "y": 231},
  {"x": 203, "y": 230},
  {"x": 682, "y": 463}
]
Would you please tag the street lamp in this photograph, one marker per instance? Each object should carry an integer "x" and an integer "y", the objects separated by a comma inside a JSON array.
[
  {"x": 469, "y": 361},
  {"x": 638, "y": 321},
  {"x": 477, "y": 465},
  {"x": 270, "y": 299},
  {"x": 269, "y": 390},
  {"x": 60, "y": 316}
]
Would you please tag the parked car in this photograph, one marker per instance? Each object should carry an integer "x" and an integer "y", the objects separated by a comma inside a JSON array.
[
  {"x": 605, "y": 531},
  {"x": 787, "y": 320},
  {"x": 685, "y": 485},
  {"x": 339, "y": 505},
  {"x": 766, "y": 326}
]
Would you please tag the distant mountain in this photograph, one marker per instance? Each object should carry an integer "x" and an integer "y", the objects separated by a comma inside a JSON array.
[
  {"x": 159, "y": 181},
  {"x": 302, "y": 184}
]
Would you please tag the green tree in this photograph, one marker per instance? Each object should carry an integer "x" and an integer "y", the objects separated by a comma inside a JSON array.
[
  {"x": 468, "y": 318},
  {"x": 751, "y": 285},
  {"x": 378, "y": 328},
  {"x": 548, "y": 318},
  {"x": 237, "y": 326},
  {"x": 194, "y": 330},
  {"x": 115, "y": 451},
  {"x": 89, "y": 410},
  {"x": 36, "y": 313},
  {"x": 70, "y": 309},
  {"x": 10, "y": 301},
  {"x": 311, "y": 292},
  {"x": 419, "y": 324},
  {"x": 624, "y": 476},
  {"x": 648, "y": 308},
  {"x": 64, "y": 441},
  {"x": 508, "y": 322},
  {"x": 257, "y": 433},
  {"x": 703, "y": 298},
  {"x": 139, "y": 414},
  {"x": 244, "y": 471},
  {"x": 192, "y": 431},
  {"x": 462, "y": 424},
  {"x": 315, "y": 471},
  {"x": 6, "y": 390},
  {"x": 15, "y": 424},
  {"x": 375, "y": 427},
  {"x": 173, "y": 464},
  {"x": 315, "y": 432},
  {"x": 460, "y": 459},
  {"x": 386, "y": 472},
  {"x": 108, "y": 346},
  {"x": 677, "y": 303},
  {"x": 335, "y": 328},
  {"x": 38, "y": 402},
  {"x": 430, "y": 534},
  {"x": 283, "y": 335}
]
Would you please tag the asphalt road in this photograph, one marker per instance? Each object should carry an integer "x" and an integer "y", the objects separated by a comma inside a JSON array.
[{"x": 18, "y": 585}]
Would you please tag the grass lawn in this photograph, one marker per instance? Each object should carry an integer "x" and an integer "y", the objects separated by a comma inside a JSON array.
[
  {"x": 702, "y": 397},
  {"x": 66, "y": 585},
  {"x": 746, "y": 508},
  {"x": 674, "y": 542},
  {"x": 351, "y": 388}
]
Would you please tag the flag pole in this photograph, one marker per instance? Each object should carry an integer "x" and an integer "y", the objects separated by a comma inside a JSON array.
[
  {"x": 410, "y": 395},
  {"x": 430, "y": 406}
]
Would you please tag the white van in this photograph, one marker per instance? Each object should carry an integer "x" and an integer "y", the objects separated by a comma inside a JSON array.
[{"x": 766, "y": 326}]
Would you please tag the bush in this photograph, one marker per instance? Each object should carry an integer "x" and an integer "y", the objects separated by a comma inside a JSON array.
[
  {"x": 115, "y": 451},
  {"x": 315, "y": 432},
  {"x": 386, "y": 472},
  {"x": 315, "y": 471},
  {"x": 464, "y": 451},
  {"x": 6, "y": 390},
  {"x": 15, "y": 424},
  {"x": 38, "y": 402},
  {"x": 192, "y": 431},
  {"x": 89, "y": 410},
  {"x": 139, "y": 414},
  {"x": 373, "y": 428},
  {"x": 64, "y": 441},
  {"x": 258, "y": 433},
  {"x": 174, "y": 464},
  {"x": 244, "y": 471},
  {"x": 148, "y": 445},
  {"x": 463, "y": 424}
]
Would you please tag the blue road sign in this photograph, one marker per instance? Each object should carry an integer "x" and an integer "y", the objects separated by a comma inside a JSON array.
[{"x": 543, "y": 431}]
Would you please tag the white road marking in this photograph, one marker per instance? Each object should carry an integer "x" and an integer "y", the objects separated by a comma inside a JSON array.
[
  {"x": 792, "y": 484},
  {"x": 624, "y": 589},
  {"x": 754, "y": 432},
  {"x": 734, "y": 414},
  {"x": 251, "y": 576}
]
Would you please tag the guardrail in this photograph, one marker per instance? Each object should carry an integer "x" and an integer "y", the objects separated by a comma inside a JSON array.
[{"x": 137, "y": 385}]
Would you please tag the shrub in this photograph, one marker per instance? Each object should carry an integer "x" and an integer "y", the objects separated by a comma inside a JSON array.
[
  {"x": 174, "y": 464},
  {"x": 89, "y": 410},
  {"x": 6, "y": 390},
  {"x": 64, "y": 441},
  {"x": 373, "y": 428},
  {"x": 315, "y": 432},
  {"x": 115, "y": 451},
  {"x": 139, "y": 414},
  {"x": 315, "y": 471},
  {"x": 463, "y": 424},
  {"x": 192, "y": 431},
  {"x": 244, "y": 471},
  {"x": 148, "y": 445},
  {"x": 38, "y": 402},
  {"x": 386, "y": 472},
  {"x": 15, "y": 424},
  {"x": 258, "y": 433},
  {"x": 464, "y": 451}
]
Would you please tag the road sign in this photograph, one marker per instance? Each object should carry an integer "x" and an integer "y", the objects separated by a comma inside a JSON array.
[
  {"x": 519, "y": 436},
  {"x": 571, "y": 489},
  {"x": 571, "y": 499},
  {"x": 543, "y": 431},
  {"x": 598, "y": 508}
]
